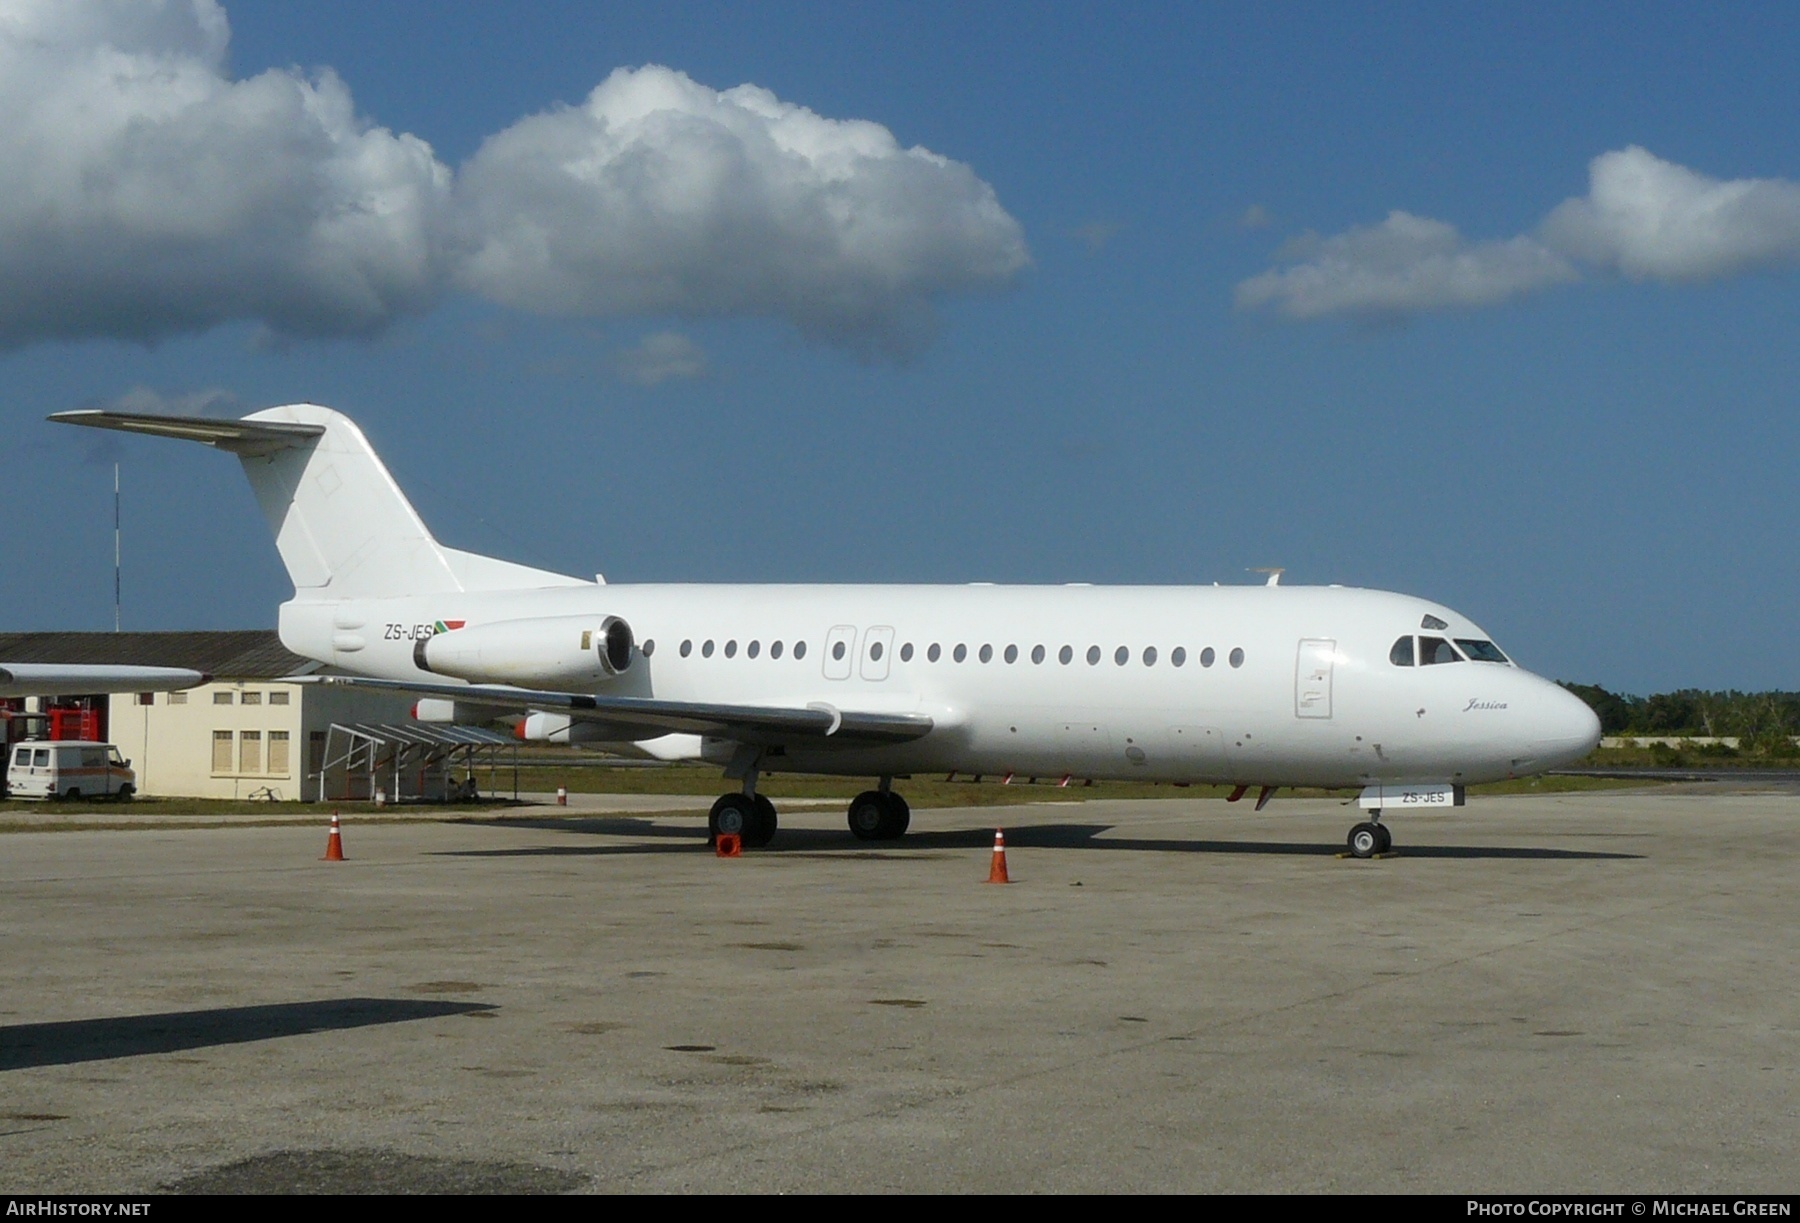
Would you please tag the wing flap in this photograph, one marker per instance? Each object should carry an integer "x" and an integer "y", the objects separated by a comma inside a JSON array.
[{"x": 634, "y": 718}]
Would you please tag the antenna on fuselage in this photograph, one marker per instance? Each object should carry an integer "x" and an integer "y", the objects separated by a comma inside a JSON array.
[{"x": 1274, "y": 575}]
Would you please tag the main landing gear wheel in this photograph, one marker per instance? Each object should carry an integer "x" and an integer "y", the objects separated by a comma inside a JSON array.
[
  {"x": 1368, "y": 839},
  {"x": 750, "y": 819},
  {"x": 876, "y": 815},
  {"x": 762, "y": 827}
]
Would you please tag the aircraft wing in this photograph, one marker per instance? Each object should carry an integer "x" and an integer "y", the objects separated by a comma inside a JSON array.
[
  {"x": 73, "y": 679},
  {"x": 631, "y": 718}
]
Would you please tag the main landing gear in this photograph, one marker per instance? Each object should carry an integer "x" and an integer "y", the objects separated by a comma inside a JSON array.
[
  {"x": 875, "y": 815},
  {"x": 749, "y": 817},
  {"x": 1369, "y": 838},
  {"x": 879, "y": 815}
]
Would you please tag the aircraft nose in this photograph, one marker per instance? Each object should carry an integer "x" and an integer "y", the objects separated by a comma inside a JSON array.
[{"x": 1567, "y": 727}]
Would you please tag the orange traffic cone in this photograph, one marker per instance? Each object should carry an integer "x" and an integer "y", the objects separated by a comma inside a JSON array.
[
  {"x": 729, "y": 845},
  {"x": 997, "y": 872},
  {"x": 334, "y": 847}
]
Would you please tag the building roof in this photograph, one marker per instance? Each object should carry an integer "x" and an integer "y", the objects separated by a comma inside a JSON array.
[{"x": 236, "y": 654}]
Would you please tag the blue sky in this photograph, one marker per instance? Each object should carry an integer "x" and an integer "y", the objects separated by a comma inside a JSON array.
[{"x": 1494, "y": 305}]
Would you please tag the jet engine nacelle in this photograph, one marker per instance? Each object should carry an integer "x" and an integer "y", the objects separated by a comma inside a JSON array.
[{"x": 553, "y": 651}]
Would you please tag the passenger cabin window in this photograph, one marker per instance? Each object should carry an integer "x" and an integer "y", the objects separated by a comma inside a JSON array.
[
  {"x": 799, "y": 649},
  {"x": 934, "y": 653},
  {"x": 1480, "y": 651},
  {"x": 1207, "y": 656},
  {"x": 1177, "y": 656},
  {"x": 1435, "y": 650},
  {"x": 906, "y": 652},
  {"x": 775, "y": 649},
  {"x": 1402, "y": 653},
  {"x": 753, "y": 649},
  {"x": 1237, "y": 657}
]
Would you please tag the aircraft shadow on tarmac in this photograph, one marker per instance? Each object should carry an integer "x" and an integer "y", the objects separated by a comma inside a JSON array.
[
  {"x": 684, "y": 838},
  {"x": 92, "y": 1040}
]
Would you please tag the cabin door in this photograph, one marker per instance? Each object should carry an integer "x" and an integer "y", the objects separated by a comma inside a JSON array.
[{"x": 1312, "y": 678}]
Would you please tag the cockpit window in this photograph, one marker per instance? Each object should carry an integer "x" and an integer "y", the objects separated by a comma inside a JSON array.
[
  {"x": 1431, "y": 621},
  {"x": 1481, "y": 651},
  {"x": 1435, "y": 650},
  {"x": 1402, "y": 653}
]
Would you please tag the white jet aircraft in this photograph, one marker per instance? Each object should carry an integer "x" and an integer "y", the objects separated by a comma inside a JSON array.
[{"x": 1248, "y": 686}]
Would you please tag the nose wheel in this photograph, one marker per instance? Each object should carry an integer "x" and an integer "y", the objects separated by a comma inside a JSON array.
[{"x": 1368, "y": 839}]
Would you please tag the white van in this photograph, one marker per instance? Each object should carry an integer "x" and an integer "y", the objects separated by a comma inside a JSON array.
[{"x": 69, "y": 769}]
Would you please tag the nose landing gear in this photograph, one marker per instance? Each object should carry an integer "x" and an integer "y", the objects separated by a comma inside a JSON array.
[{"x": 1369, "y": 839}]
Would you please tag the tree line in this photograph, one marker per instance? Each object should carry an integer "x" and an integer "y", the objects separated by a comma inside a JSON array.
[{"x": 1762, "y": 721}]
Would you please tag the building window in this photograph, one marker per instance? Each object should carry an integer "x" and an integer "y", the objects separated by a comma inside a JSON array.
[
  {"x": 177, "y": 698},
  {"x": 146, "y": 698},
  {"x": 278, "y": 698},
  {"x": 222, "y": 698},
  {"x": 221, "y": 762},
  {"x": 251, "y": 698},
  {"x": 278, "y": 753},
  {"x": 315, "y": 751},
  {"x": 250, "y": 751}
]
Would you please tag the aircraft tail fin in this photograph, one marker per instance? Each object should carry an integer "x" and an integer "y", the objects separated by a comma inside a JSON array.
[{"x": 343, "y": 527}]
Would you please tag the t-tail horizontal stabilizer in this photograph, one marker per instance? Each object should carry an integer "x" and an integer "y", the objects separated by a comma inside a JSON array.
[{"x": 343, "y": 527}]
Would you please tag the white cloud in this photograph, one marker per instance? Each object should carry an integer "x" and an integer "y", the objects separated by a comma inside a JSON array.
[
  {"x": 667, "y": 356},
  {"x": 144, "y": 193},
  {"x": 659, "y": 195},
  {"x": 1651, "y": 219},
  {"x": 1256, "y": 217},
  {"x": 1405, "y": 265},
  {"x": 1643, "y": 217}
]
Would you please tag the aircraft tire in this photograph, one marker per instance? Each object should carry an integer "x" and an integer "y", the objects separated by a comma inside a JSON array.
[
  {"x": 1387, "y": 838},
  {"x": 760, "y": 829},
  {"x": 868, "y": 816},
  {"x": 733, "y": 813},
  {"x": 1364, "y": 840},
  {"x": 898, "y": 817}
]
